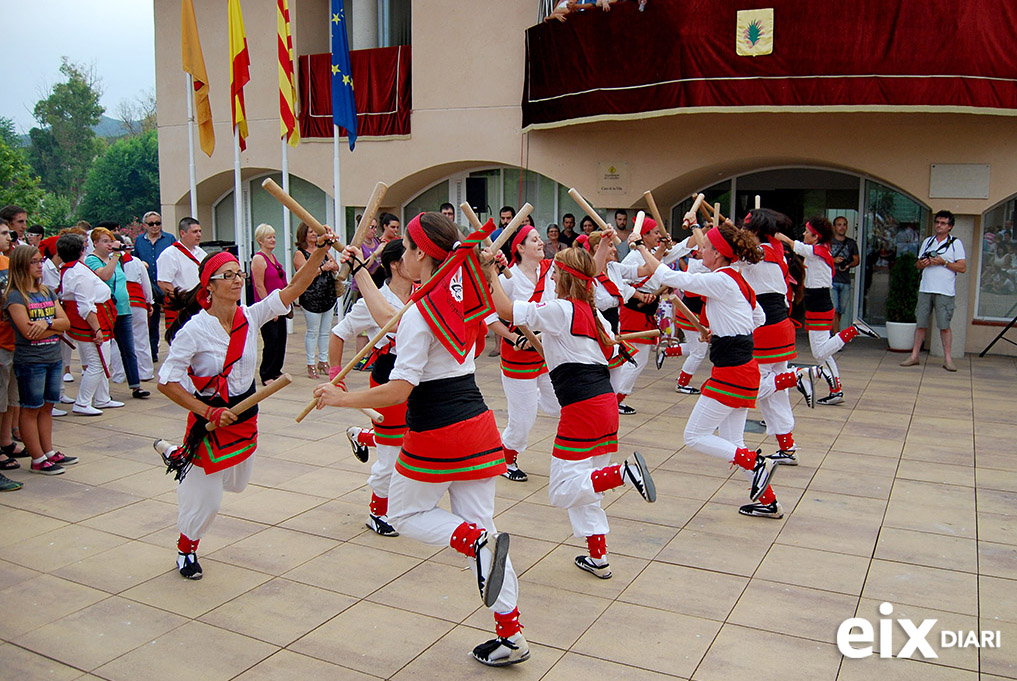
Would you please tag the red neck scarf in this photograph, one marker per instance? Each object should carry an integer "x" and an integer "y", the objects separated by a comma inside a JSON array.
[
  {"x": 234, "y": 351},
  {"x": 183, "y": 249}
]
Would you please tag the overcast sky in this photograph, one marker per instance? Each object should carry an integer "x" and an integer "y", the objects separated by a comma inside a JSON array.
[{"x": 115, "y": 36}]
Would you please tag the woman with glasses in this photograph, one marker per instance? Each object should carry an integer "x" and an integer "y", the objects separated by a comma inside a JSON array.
[{"x": 215, "y": 348}]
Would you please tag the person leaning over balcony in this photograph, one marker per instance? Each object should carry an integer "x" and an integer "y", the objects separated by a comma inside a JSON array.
[{"x": 941, "y": 259}]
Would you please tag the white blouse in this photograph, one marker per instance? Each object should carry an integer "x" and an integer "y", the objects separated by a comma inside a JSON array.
[
  {"x": 201, "y": 344},
  {"x": 175, "y": 268},
  {"x": 763, "y": 276},
  {"x": 359, "y": 320},
  {"x": 421, "y": 357},
  {"x": 818, "y": 273},
  {"x": 726, "y": 308},
  {"x": 554, "y": 320},
  {"x": 84, "y": 287}
]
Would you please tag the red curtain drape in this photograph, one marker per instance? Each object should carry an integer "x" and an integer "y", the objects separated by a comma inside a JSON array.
[
  {"x": 381, "y": 87},
  {"x": 848, "y": 54}
]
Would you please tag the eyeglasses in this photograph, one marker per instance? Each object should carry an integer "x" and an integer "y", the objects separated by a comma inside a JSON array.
[
  {"x": 153, "y": 224},
  {"x": 229, "y": 276}
]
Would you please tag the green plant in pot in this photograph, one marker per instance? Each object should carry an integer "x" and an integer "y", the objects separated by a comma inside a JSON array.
[{"x": 901, "y": 300}]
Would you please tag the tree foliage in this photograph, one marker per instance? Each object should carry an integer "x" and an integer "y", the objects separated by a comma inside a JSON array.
[
  {"x": 64, "y": 145},
  {"x": 123, "y": 182},
  {"x": 18, "y": 184},
  {"x": 138, "y": 115}
]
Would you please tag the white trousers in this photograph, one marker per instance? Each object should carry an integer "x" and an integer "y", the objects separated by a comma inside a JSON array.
[
  {"x": 523, "y": 397},
  {"x": 823, "y": 345},
  {"x": 381, "y": 471},
  {"x": 199, "y": 496},
  {"x": 774, "y": 405},
  {"x": 94, "y": 384},
  {"x": 142, "y": 344},
  {"x": 696, "y": 351},
  {"x": 623, "y": 378},
  {"x": 708, "y": 416},
  {"x": 571, "y": 487},
  {"x": 413, "y": 511}
]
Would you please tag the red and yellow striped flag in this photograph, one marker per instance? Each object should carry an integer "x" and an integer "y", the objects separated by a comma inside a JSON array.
[
  {"x": 240, "y": 69},
  {"x": 288, "y": 128},
  {"x": 194, "y": 64}
]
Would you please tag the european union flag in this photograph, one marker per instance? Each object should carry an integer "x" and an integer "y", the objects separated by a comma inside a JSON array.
[{"x": 344, "y": 108}]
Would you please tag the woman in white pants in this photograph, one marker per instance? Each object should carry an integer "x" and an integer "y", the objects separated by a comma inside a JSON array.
[
  {"x": 87, "y": 300},
  {"x": 215, "y": 348},
  {"x": 523, "y": 371},
  {"x": 139, "y": 290},
  {"x": 452, "y": 444}
]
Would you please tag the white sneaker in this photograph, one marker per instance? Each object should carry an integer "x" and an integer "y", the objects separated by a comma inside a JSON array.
[
  {"x": 758, "y": 510},
  {"x": 502, "y": 651},
  {"x": 590, "y": 565},
  {"x": 66, "y": 400},
  {"x": 864, "y": 329},
  {"x": 491, "y": 553},
  {"x": 109, "y": 404},
  {"x": 636, "y": 473},
  {"x": 87, "y": 410},
  {"x": 68, "y": 377},
  {"x": 56, "y": 413}
]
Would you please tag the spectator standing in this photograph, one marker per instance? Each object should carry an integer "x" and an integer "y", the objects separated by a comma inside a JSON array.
[
  {"x": 449, "y": 211},
  {"x": 621, "y": 226},
  {"x": 148, "y": 247},
  {"x": 318, "y": 301},
  {"x": 554, "y": 242},
  {"x": 17, "y": 220},
  {"x": 587, "y": 225},
  {"x": 34, "y": 235},
  {"x": 568, "y": 229},
  {"x": 139, "y": 292},
  {"x": 505, "y": 216},
  {"x": 105, "y": 262},
  {"x": 178, "y": 265},
  {"x": 268, "y": 275},
  {"x": 8, "y": 384},
  {"x": 37, "y": 320},
  {"x": 941, "y": 258},
  {"x": 844, "y": 250},
  {"x": 51, "y": 280}
]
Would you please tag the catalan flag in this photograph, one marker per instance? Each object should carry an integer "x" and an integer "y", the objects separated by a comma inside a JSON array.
[
  {"x": 288, "y": 128},
  {"x": 240, "y": 69},
  {"x": 194, "y": 64},
  {"x": 344, "y": 108}
]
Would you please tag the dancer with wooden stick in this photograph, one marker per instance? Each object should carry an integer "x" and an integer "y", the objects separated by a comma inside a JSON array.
[
  {"x": 578, "y": 347},
  {"x": 452, "y": 444},
  {"x": 215, "y": 349}
]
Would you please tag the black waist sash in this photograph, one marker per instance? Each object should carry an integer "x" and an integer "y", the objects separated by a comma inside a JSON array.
[
  {"x": 818, "y": 300},
  {"x": 574, "y": 382},
  {"x": 731, "y": 351},
  {"x": 440, "y": 403},
  {"x": 774, "y": 305},
  {"x": 383, "y": 365},
  {"x": 694, "y": 303},
  {"x": 611, "y": 314},
  {"x": 216, "y": 400}
]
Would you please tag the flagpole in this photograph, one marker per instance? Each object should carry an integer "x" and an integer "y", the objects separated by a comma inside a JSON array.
[
  {"x": 240, "y": 230},
  {"x": 190, "y": 145},
  {"x": 287, "y": 239}
]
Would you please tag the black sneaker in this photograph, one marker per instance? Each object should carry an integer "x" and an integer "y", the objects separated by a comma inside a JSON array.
[
  {"x": 379, "y": 525},
  {"x": 807, "y": 385},
  {"x": 827, "y": 373},
  {"x": 514, "y": 474},
  {"x": 625, "y": 410},
  {"x": 491, "y": 577},
  {"x": 637, "y": 474},
  {"x": 865, "y": 329},
  {"x": 832, "y": 398},
  {"x": 763, "y": 510},
  {"x": 661, "y": 354},
  {"x": 762, "y": 473},
  {"x": 586, "y": 563},
  {"x": 686, "y": 389},
  {"x": 360, "y": 451},
  {"x": 140, "y": 394},
  {"x": 187, "y": 565},
  {"x": 784, "y": 457},
  {"x": 499, "y": 652}
]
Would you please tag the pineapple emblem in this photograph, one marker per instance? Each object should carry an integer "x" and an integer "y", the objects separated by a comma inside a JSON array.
[{"x": 753, "y": 33}]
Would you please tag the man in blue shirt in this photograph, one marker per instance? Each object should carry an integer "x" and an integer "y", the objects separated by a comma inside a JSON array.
[{"x": 148, "y": 247}]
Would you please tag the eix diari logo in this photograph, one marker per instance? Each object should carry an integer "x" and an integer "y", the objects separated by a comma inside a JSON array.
[{"x": 858, "y": 630}]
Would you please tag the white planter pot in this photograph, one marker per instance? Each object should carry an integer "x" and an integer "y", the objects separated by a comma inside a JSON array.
[{"x": 900, "y": 336}]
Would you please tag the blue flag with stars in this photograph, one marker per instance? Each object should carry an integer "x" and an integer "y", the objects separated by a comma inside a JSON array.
[{"x": 344, "y": 108}]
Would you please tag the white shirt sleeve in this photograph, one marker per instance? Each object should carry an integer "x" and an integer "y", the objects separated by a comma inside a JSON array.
[
  {"x": 802, "y": 249},
  {"x": 166, "y": 266},
  {"x": 711, "y": 284},
  {"x": 758, "y": 316},
  {"x": 356, "y": 321},
  {"x": 413, "y": 341},
  {"x": 264, "y": 310},
  {"x": 551, "y": 318},
  {"x": 181, "y": 352}
]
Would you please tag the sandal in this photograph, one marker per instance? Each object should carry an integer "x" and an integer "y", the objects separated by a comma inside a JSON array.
[
  {"x": 13, "y": 452},
  {"x": 9, "y": 465},
  {"x": 311, "y": 371},
  {"x": 323, "y": 368}
]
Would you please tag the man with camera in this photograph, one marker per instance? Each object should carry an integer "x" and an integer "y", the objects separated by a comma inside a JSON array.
[{"x": 941, "y": 259}]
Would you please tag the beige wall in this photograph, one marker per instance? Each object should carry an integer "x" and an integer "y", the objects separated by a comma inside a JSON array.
[{"x": 467, "y": 84}]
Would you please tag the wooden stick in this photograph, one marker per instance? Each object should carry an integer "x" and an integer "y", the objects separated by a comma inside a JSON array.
[
  {"x": 242, "y": 406},
  {"x": 649, "y": 333},
  {"x": 532, "y": 338},
  {"x": 512, "y": 226},
  {"x": 714, "y": 213},
  {"x": 588, "y": 209},
  {"x": 68, "y": 342},
  {"x": 654, "y": 211},
  {"x": 691, "y": 214},
  {"x": 759, "y": 201},
  {"x": 687, "y": 313},
  {"x": 285, "y": 199},
  {"x": 105, "y": 367},
  {"x": 637, "y": 225},
  {"x": 390, "y": 324},
  {"x": 365, "y": 223},
  {"x": 475, "y": 222}
]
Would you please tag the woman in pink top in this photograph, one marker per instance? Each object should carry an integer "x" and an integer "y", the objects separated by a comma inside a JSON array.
[{"x": 268, "y": 275}]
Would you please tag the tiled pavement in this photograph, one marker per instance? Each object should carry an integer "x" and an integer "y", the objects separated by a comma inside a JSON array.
[{"x": 905, "y": 494}]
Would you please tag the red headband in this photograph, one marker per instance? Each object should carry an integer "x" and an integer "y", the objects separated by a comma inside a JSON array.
[
  {"x": 808, "y": 226},
  {"x": 648, "y": 225},
  {"x": 721, "y": 244},
  {"x": 575, "y": 273},
  {"x": 519, "y": 238},
  {"x": 211, "y": 265},
  {"x": 423, "y": 242},
  {"x": 583, "y": 240}
]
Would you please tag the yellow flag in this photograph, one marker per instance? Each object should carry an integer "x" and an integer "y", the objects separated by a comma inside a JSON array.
[
  {"x": 194, "y": 64},
  {"x": 754, "y": 33},
  {"x": 240, "y": 69},
  {"x": 288, "y": 127}
]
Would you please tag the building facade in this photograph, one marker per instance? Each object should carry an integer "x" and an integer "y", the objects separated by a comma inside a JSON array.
[{"x": 473, "y": 124}]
